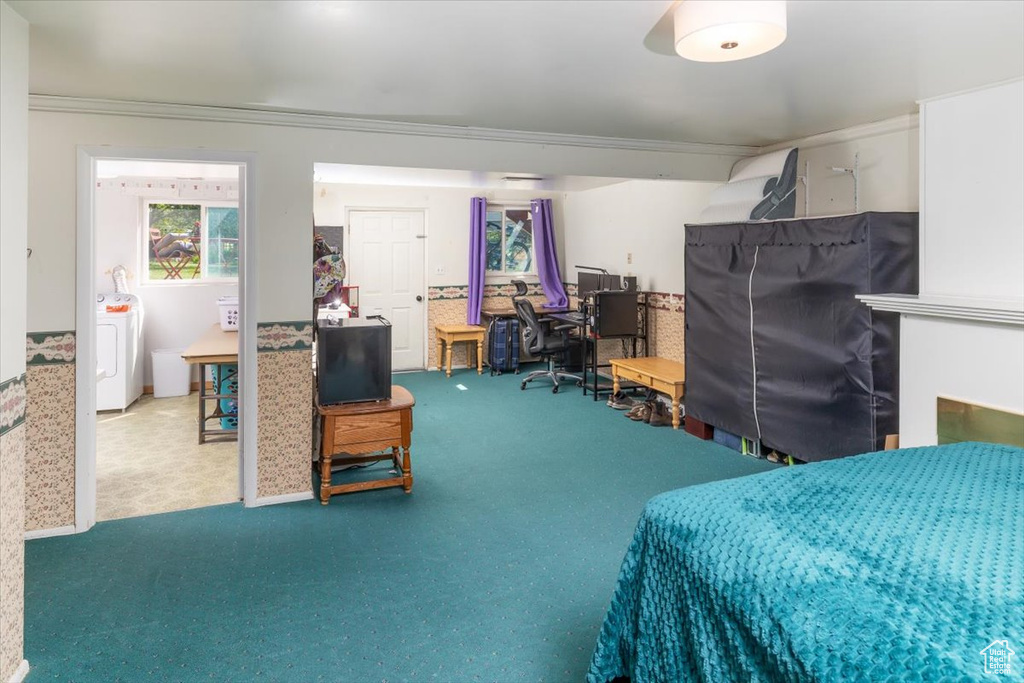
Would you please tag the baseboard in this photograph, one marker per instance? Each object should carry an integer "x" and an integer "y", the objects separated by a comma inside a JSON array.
[
  {"x": 20, "y": 673},
  {"x": 47, "y": 533},
  {"x": 284, "y": 498},
  {"x": 455, "y": 366}
]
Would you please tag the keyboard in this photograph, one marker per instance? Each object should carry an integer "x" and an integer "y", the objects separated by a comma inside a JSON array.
[{"x": 575, "y": 316}]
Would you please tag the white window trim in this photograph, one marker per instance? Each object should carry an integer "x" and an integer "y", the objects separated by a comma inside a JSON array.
[
  {"x": 144, "y": 281},
  {"x": 504, "y": 276}
]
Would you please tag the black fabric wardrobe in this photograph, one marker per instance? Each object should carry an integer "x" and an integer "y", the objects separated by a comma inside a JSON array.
[{"x": 778, "y": 348}]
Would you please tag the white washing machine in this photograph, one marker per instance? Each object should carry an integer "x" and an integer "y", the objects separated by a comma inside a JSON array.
[{"x": 118, "y": 351}]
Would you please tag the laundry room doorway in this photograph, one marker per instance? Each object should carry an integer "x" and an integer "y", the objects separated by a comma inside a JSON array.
[{"x": 166, "y": 344}]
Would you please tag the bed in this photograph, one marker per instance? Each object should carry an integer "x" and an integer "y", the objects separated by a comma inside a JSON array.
[{"x": 900, "y": 565}]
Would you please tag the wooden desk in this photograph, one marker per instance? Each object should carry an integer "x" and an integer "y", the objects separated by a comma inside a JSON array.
[
  {"x": 215, "y": 346},
  {"x": 660, "y": 374},
  {"x": 358, "y": 429},
  {"x": 452, "y": 334}
]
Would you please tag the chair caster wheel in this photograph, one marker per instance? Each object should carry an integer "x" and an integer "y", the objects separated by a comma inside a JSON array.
[
  {"x": 554, "y": 389},
  {"x": 580, "y": 383},
  {"x": 522, "y": 387}
]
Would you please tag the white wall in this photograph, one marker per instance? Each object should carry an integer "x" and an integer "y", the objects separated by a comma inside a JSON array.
[
  {"x": 973, "y": 245},
  {"x": 175, "y": 313},
  {"x": 284, "y": 168},
  {"x": 973, "y": 182},
  {"x": 13, "y": 190},
  {"x": 447, "y": 218},
  {"x": 888, "y": 168},
  {"x": 969, "y": 361},
  {"x": 888, "y": 174},
  {"x": 13, "y": 223},
  {"x": 644, "y": 218}
]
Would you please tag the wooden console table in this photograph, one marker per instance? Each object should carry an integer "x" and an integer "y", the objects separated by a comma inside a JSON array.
[
  {"x": 660, "y": 374},
  {"x": 452, "y": 334},
  {"x": 351, "y": 432}
]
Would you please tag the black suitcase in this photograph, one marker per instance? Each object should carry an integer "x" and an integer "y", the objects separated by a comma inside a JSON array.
[{"x": 503, "y": 345}]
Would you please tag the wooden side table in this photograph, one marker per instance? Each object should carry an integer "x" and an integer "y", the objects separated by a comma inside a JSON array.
[
  {"x": 215, "y": 346},
  {"x": 447, "y": 335},
  {"x": 350, "y": 432},
  {"x": 660, "y": 374}
]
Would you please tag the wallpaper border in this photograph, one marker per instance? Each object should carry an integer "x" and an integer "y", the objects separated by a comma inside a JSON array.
[
  {"x": 287, "y": 335},
  {"x": 449, "y": 292},
  {"x": 50, "y": 348},
  {"x": 666, "y": 301},
  {"x": 13, "y": 403}
]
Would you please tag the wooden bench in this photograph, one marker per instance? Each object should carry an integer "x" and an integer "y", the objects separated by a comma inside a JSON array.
[{"x": 660, "y": 374}]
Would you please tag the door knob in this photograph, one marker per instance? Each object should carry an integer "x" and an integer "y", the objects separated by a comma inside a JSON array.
[{"x": 419, "y": 298}]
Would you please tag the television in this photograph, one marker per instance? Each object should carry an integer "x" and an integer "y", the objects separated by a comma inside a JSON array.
[{"x": 353, "y": 360}]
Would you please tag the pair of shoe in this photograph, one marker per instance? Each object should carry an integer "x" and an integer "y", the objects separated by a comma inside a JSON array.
[
  {"x": 653, "y": 413},
  {"x": 619, "y": 401}
]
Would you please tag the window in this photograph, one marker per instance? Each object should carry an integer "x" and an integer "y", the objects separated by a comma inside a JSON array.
[
  {"x": 509, "y": 240},
  {"x": 193, "y": 241}
]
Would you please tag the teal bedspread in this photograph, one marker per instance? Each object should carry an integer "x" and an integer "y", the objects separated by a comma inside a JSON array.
[{"x": 902, "y": 565}]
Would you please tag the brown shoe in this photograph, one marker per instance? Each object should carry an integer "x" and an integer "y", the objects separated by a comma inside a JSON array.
[
  {"x": 642, "y": 414},
  {"x": 660, "y": 416}
]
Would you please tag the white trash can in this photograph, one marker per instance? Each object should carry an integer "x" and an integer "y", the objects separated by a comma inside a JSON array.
[{"x": 171, "y": 375}]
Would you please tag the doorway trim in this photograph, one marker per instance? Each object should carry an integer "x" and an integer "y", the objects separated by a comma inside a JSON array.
[
  {"x": 85, "y": 315},
  {"x": 426, "y": 261}
]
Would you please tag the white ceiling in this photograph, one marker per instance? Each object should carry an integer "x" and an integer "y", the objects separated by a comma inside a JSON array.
[
  {"x": 583, "y": 67},
  {"x": 434, "y": 177}
]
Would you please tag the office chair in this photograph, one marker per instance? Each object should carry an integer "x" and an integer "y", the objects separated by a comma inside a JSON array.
[{"x": 542, "y": 339}]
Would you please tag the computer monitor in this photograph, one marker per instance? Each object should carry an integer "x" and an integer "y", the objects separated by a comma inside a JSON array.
[
  {"x": 596, "y": 282},
  {"x": 588, "y": 282}
]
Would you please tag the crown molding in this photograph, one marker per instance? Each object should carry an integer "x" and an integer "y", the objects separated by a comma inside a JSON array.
[
  {"x": 896, "y": 124},
  {"x": 292, "y": 119},
  {"x": 968, "y": 91}
]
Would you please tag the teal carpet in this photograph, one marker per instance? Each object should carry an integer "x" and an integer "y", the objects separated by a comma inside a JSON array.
[{"x": 498, "y": 567}]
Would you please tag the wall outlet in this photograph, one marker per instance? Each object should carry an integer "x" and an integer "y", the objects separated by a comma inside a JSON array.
[
  {"x": 439, "y": 270},
  {"x": 629, "y": 257}
]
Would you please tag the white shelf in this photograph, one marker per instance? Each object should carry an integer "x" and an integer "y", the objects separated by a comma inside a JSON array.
[{"x": 1001, "y": 311}]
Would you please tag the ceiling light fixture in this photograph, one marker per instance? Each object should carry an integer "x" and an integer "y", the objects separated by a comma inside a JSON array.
[{"x": 728, "y": 30}]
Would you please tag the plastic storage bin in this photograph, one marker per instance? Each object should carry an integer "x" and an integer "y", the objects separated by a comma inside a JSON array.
[
  {"x": 225, "y": 381},
  {"x": 171, "y": 375},
  {"x": 228, "y": 312}
]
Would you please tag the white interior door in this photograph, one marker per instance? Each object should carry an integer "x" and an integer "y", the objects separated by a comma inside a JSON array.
[{"x": 384, "y": 258}]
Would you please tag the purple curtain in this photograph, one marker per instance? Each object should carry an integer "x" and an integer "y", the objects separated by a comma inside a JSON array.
[
  {"x": 546, "y": 253},
  {"x": 477, "y": 257}
]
